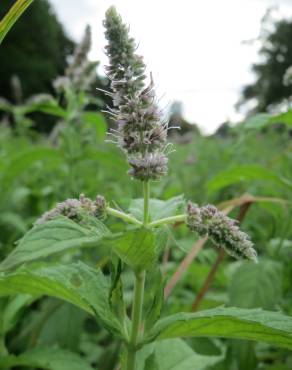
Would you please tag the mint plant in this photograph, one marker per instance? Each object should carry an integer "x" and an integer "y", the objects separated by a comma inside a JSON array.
[{"x": 147, "y": 335}]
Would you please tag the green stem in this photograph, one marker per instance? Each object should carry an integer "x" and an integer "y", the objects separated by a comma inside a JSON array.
[
  {"x": 146, "y": 193},
  {"x": 140, "y": 276},
  {"x": 124, "y": 216},
  {"x": 136, "y": 319},
  {"x": 168, "y": 220}
]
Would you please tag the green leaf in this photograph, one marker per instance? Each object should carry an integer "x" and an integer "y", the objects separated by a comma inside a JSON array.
[
  {"x": 5, "y": 105},
  {"x": 151, "y": 363},
  {"x": 175, "y": 354},
  {"x": 240, "y": 173},
  {"x": 138, "y": 248},
  {"x": 237, "y": 323},
  {"x": 46, "y": 358},
  {"x": 13, "y": 221},
  {"x": 58, "y": 323},
  {"x": 44, "y": 104},
  {"x": 262, "y": 120},
  {"x": 154, "y": 296},
  {"x": 285, "y": 118},
  {"x": 256, "y": 285},
  {"x": 23, "y": 160},
  {"x": 52, "y": 237},
  {"x": 12, "y": 311},
  {"x": 258, "y": 121},
  {"x": 157, "y": 208},
  {"x": 97, "y": 121},
  {"x": 11, "y": 17},
  {"x": 116, "y": 298},
  {"x": 77, "y": 283}
]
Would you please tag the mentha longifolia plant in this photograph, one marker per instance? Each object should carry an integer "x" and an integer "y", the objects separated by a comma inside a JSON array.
[{"x": 141, "y": 134}]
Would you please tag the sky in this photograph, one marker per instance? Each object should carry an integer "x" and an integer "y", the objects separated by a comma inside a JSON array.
[{"x": 195, "y": 49}]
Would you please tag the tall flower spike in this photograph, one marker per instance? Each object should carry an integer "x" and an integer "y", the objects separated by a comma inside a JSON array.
[
  {"x": 81, "y": 72},
  {"x": 222, "y": 230},
  {"x": 142, "y": 132}
]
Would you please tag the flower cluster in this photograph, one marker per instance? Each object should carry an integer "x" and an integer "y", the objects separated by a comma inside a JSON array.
[
  {"x": 222, "y": 230},
  {"x": 142, "y": 131},
  {"x": 80, "y": 73},
  {"x": 75, "y": 208}
]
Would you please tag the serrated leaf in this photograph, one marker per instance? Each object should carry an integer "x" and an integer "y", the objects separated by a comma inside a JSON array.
[
  {"x": 256, "y": 285},
  {"x": 77, "y": 283},
  {"x": 157, "y": 208},
  {"x": 46, "y": 358},
  {"x": 52, "y": 237},
  {"x": 138, "y": 248},
  {"x": 237, "y": 323}
]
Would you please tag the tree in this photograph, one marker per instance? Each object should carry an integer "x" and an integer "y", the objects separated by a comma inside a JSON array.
[
  {"x": 269, "y": 91},
  {"x": 35, "y": 50}
]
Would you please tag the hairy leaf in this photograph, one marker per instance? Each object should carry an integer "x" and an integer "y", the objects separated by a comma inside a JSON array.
[
  {"x": 139, "y": 248},
  {"x": 237, "y": 323},
  {"x": 52, "y": 237},
  {"x": 77, "y": 283}
]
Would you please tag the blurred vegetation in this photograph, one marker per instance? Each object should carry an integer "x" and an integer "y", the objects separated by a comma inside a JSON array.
[
  {"x": 38, "y": 170},
  {"x": 268, "y": 92}
]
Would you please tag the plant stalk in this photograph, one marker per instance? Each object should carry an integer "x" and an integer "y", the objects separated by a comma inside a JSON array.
[
  {"x": 146, "y": 193},
  {"x": 123, "y": 216},
  {"x": 136, "y": 332},
  {"x": 168, "y": 220},
  {"x": 136, "y": 319}
]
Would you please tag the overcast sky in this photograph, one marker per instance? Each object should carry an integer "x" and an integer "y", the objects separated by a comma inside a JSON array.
[{"x": 194, "y": 48}]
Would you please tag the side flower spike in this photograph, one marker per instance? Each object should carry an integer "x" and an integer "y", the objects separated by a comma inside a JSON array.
[
  {"x": 75, "y": 208},
  {"x": 222, "y": 230}
]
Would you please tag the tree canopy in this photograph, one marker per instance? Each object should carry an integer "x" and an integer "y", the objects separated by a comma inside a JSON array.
[
  {"x": 35, "y": 49},
  {"x": 269, "y": 91}
]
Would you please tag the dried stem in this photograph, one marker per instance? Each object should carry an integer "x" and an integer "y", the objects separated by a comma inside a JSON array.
[
  {"x": 205, "y": 287},
  {"x": 183, "y": 266},
  {"x": 188, "y": 259}
]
